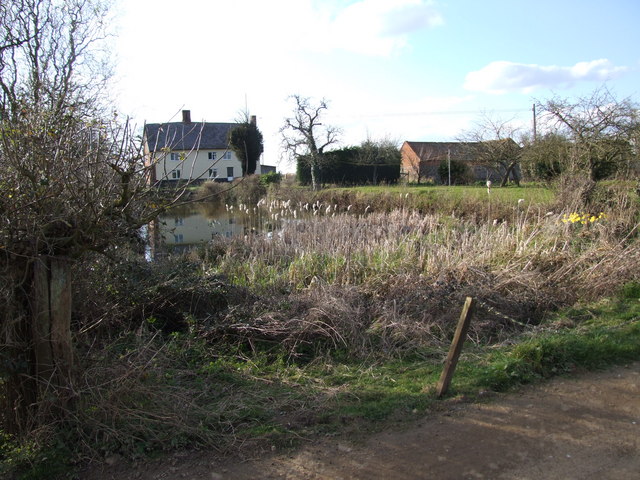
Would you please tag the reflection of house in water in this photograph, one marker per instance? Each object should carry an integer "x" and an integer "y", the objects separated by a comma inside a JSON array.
[{"x": 179, "y": 231}]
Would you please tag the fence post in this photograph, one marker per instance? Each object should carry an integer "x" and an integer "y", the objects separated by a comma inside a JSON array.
[{"x": 456, "y": 347}]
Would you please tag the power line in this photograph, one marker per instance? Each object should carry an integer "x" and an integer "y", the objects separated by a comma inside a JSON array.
[{"x": 434, "y": 113}]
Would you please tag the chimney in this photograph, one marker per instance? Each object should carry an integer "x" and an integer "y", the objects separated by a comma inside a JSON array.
[
  {"x": 186, "y": 116},
  {"x": 253, "y": 120}
]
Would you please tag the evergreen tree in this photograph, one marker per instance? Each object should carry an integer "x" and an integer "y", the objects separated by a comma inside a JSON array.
[{"x": 246, "y": 142}]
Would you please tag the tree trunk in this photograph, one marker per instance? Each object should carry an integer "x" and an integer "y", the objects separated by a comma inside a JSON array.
[
  {"x": 39, "y": 342},
  {"x": 510, "y": 169},
  {"x": 314, "y": 177}
]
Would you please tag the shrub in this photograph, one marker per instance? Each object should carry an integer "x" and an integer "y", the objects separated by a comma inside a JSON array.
[
  {"x": 631, "y": 291},
  {"x": 167, "y": 295},
  {"x": 460, "y": 173},
  {"x": 248, "y": 190},
  {"x": 213, "y": 191},
  {"x": 270, "y": 178}
]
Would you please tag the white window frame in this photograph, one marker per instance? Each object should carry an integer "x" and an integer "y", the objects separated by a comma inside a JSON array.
[
  {"x": 230, "y": 170},
  {"x": 213, "y": 173},
  {"x": 175, "y": 174},
  {"x": 174, "y": 156},
  {"x": 212, "y": 155},
  {"x": 227, "y": 155}
]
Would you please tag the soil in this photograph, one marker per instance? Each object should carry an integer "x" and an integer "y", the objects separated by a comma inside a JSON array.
[{"x": 582, "y": 427}]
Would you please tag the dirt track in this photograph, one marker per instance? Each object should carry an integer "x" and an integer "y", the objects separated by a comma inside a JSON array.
[{"x": 585, "y": 427}]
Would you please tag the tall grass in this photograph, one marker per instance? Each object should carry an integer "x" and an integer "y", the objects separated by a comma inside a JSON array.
[
  {"x": 365, "y": 280},
  {"x": 347, "y": 249}
]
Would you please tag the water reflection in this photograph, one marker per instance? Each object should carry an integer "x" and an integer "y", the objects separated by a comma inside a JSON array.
[
  {"x": 188, "y": 226},
  {"x": 184, "y": 227}
]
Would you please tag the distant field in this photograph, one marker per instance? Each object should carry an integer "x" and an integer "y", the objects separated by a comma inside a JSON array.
[
  {"x": 469, "y": 200},
  {"x": 532, "y": 194}
]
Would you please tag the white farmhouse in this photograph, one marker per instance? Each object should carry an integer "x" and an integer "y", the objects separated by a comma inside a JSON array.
[{"x": 192, "y": 151}]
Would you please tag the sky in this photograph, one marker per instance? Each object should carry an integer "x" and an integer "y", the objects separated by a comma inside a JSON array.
[{"x": 417, "y": 70}]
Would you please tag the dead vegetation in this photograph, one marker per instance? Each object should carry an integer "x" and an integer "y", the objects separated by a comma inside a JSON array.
[
  {"x": 391, "y": 283},
  {"x": 170, "y": 353}
]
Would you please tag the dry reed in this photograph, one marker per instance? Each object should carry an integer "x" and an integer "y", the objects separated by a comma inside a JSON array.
[{"x": 396, "y": 280}]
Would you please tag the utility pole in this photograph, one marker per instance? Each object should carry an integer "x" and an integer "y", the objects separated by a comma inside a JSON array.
[
  {"x": 535, "y": 131},
  {"x": 449, "y": 163}
]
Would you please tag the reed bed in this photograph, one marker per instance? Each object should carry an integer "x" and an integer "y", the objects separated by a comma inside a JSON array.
[{"x": 362, "y": 281}]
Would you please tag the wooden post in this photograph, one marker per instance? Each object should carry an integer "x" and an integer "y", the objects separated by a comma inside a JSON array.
[
  {"x": 456, "y": 347},
  {"x": 60, "y": 298},
  {"x": 52, "y": 322}
]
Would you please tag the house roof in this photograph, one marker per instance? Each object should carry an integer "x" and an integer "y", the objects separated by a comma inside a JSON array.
[
  {"x": 187, "y": 135},
  {"x": 466, "y": 151},
  {"x": 440, "y": 150}
]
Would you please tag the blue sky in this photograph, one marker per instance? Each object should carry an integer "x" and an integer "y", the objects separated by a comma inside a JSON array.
[{"x": 397, "y": 69}]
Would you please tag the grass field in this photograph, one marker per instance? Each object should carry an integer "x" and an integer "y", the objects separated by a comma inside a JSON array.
[
  {"x": 531, "y": 193},
  {"x": 468, "y": 201}
]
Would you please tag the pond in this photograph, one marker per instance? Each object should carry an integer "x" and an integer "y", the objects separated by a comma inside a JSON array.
[
  {"x": 185, "y": 227},
  {"x": 188, "y": 226}
]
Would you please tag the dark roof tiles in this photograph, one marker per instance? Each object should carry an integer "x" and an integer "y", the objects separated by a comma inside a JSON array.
[{"x": 187, "y": 136}]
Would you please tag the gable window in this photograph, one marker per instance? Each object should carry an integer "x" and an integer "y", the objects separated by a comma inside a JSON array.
[
  {"x": 175, "y": 157},
  {"x": 178, "y": 237},
  {"x": 212, "y": 155},
  {"x": 229, "y": 171},
  {"x": 213, "y": 173},
  {"x": 227, "y": 155},
  {"x": 175, "y": 175},
  {"x": 178, "y": 221}
]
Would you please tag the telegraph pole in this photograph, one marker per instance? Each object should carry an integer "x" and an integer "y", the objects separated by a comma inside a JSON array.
[{"x": 535, "y": 131}]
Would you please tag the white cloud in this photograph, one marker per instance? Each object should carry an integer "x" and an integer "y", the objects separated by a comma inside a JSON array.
[
  {"x": 210, "y": 56},
  {"x": 369, "y": 27},
  {"x": 380, "y": 27},
  {"x": 503, "y": 77}
]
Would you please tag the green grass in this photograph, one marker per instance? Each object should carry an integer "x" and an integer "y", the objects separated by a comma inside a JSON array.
[
  {"x": 468, "y": 200},
  {"x": 532, "y": 194},
  {"x": 235, "y": 396},
  {"x": 352, "y": 393},
  {"x": 362, "y": 358},
  {"x": 611, "y": 337}
]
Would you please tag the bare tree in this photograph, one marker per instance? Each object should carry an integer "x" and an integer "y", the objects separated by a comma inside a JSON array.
[
  {"x": 601, "y": 129},
  {"x": 305, "y": 136},
  {"x": 417, "y": 165},
  {"x": 11, "y": 36},
  {"x": 51, "y": 53},
  {"x": 73, "y": 181},
  {"x": 492, "y": 143}
]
